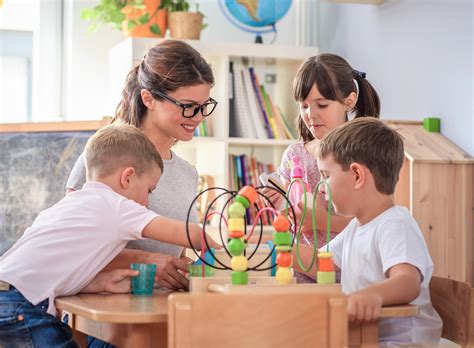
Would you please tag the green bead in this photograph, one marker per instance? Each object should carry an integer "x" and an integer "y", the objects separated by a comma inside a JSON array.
[
  {"x": 236, "y": 210},
  {"x": 283, "y": 248},
  {"x": 240, "y": 278},
  {"x": 282, "y": 238},
  {"x": 326, "y": 277},
  {"x": 432, "y": 124},
  {"x": 242, "y": 200},
  {"x": 236, "y": 246}
]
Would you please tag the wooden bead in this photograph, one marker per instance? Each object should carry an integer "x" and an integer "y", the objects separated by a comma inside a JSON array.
[
  {"x": 236, "y": 210},
  {"x": 284, "y": 259},
  {"x": 239, "y": 263},
  {"x": 249, "y": 193},
  {"x": 326, "y": 265},
  {"x": 284, "y": 275},
  {"x": 240, "y": 278},
  {"x": 282, "y": 238},
  {"x": 242, "y": 200},
  {"x": 236, "y": 247},
  {"x": 236, "y": 234},
  {"x": 281, "y": 223},
  {"x": 236, "y": 224},
  {"x": 326, "y": 277}
]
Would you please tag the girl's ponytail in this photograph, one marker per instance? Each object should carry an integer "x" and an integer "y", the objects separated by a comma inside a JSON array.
[{"x": 368, "y": 102}]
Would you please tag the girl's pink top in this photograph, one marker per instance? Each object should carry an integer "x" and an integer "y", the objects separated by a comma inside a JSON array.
[{"x": 312, "y": 177}]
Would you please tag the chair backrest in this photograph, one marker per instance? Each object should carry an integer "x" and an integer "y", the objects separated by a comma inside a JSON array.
[
  {"x": 454, "y": 302},
  {"x": 257, "y": 320}
]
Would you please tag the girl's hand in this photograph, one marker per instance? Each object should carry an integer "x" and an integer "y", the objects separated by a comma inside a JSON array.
[{"x": 274, "y": 197}]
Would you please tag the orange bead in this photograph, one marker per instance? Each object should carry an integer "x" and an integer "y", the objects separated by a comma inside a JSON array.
[
  {"x": 284, "y": 259},
  {"x": 281, "y": 223},
  {"x": 236, "y": 234},
  {"x": 326, "y": 265},
  {"x": 249, "y": 193}
]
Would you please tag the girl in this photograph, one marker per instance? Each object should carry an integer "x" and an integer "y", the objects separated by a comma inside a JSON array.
[{"x": 329, "y": 92}]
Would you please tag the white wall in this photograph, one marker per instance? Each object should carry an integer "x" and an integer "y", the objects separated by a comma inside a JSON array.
[{"x": 418, "y": 54}]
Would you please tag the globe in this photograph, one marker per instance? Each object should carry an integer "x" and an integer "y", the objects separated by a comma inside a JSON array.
[{"x": 255, "y": 16}]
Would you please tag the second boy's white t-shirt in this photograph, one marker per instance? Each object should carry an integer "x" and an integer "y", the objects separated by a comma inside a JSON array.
[
  {"x": 366, "y": 253},
  {"x": 71, "y": 242}
]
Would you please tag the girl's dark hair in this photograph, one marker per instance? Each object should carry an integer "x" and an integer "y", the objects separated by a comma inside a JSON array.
[
  {"x": 166, "y": 67},
  {"x": 334, "y": 78}
]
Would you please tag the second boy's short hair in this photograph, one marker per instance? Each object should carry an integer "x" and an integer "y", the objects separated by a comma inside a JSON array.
[
  {"x": 370, "y": 142},
  {"x": 120, "y": 145}
]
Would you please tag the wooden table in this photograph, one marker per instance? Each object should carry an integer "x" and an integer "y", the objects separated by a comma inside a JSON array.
[{"x": 141, "y": 321}]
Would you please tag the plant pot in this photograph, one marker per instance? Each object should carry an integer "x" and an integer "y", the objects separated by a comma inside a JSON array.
[
  {"x": 185, "y": 25},
  {"x": 157, "y": 17}
]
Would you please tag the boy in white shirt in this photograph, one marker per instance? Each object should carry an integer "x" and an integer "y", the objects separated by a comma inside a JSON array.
[
  {"x": 71, "y": 242},
  {"x": 381, "y": 253}
]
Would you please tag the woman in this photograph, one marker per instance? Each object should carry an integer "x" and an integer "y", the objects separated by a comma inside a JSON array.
[{"x": 167, "y": 96}]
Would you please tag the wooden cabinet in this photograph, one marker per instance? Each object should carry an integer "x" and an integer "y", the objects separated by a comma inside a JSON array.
[{"x": 436, "y": 184}]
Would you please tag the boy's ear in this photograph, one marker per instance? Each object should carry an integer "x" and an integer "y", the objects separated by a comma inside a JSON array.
[
  {"x": 147, "y": 99},
  {"x": 127, "y": 173},
  {"x": 350, "y": 101},
  {"x": 358, "y": 172}
]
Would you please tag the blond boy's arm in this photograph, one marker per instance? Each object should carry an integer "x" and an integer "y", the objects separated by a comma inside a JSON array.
[
  {"x": 402, "y": 286},
  {"x": 173, "y": 231}
]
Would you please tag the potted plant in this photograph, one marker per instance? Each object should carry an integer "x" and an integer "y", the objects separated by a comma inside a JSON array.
[
  {"x": 182, "y": 23},
  {"x": 138, "y": 18}
]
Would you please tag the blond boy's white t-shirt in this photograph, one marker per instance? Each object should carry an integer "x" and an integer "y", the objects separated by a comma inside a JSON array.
[
  {"x": 366, "y": 253},
  {"x": 71, "y": 242}
]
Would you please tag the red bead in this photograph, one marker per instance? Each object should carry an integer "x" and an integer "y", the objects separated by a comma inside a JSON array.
[
  {"x": 281, "y": 223},
  {"x": 284, "y": 259},
  {"x": 249, "y": 193}
]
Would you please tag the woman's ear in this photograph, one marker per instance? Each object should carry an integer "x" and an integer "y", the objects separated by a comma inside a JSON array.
[
  {"x": 126, "y": 176},
  {"x": 147, "y": 99},
  {"x": 351, "y": 101},
  {"x": 358, "y": 172}
]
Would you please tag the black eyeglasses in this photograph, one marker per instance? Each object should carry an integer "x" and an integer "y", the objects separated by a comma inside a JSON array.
[{"x": 191, "y": 109}]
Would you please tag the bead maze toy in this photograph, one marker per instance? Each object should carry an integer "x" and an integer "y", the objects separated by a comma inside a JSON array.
[{"x": 210, "y": 272}]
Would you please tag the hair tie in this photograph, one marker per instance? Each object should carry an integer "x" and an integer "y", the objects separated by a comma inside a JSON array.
[{"x": 360, "y": 74}]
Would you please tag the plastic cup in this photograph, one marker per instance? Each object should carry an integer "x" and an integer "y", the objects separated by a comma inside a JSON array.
[{"x": 143, "y": 283}]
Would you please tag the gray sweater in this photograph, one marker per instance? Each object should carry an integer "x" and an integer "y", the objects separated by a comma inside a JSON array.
[{"x": 172, "y": 197}]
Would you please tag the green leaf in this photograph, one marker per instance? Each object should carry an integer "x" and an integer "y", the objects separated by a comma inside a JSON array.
[
  {"x": 155, "y": 29},
  {"x": 144, "y": 18},
  {"x": 204, "y": 26},
  {"x": 131, "y": 25}
]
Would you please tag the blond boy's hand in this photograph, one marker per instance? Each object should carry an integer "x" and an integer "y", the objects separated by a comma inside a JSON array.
[{"x": 364, "y": 306}]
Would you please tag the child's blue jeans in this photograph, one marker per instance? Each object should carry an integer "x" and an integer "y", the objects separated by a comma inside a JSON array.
[{"x": 24, "y": 325}]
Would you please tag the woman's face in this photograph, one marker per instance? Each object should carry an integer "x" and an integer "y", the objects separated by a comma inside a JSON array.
[
  {"x": 321, "y": 115},
  {"x": 166, "y": 117}
]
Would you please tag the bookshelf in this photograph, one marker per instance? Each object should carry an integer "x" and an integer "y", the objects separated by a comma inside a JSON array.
[{"x": 275, "y": 67}]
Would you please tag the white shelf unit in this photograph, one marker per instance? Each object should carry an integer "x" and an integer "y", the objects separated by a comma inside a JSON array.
[{"x": 210, "y": 154}]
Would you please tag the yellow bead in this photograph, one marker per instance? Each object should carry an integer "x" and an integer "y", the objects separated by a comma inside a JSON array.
[
  {"x": 325, "y": 255},
  {"x": 283, "y": 275},
  {"x": 236, "y": 224},
  {"x": 239, "y": 263}
]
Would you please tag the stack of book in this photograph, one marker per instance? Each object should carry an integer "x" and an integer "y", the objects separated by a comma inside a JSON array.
[
  {"x": 202, "y": 130},
  {"x": 252, "y": 111},
  {"x": 245, "y": 170}
]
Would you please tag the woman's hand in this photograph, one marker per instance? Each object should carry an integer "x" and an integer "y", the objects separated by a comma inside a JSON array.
[
  {"x": 172, "y": 274},
  {"x": 116, "y": 281}
]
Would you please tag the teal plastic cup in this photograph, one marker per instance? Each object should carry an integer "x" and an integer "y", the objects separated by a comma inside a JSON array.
[{"x": 143, "y": 283}]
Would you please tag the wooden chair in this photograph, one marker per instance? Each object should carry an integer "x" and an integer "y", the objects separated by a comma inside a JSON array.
[
  {"x": 454, "y": 302},
  {"x": 257, "y": 320}
]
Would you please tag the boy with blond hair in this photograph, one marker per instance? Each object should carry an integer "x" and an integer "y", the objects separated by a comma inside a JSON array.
[
  {"x": 381, "y": 253},
  {"x": 71, "y": 242}
]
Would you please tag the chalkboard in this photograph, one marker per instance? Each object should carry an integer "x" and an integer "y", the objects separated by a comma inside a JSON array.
[{"x": 34, "y": 168}]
